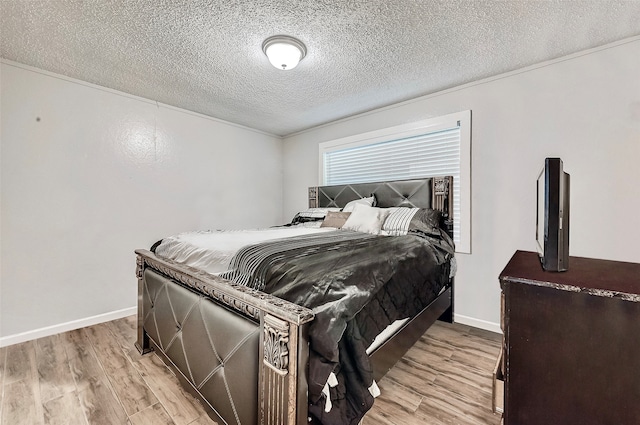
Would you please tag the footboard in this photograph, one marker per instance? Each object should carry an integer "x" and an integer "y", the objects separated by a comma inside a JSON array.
[{"x": 242, "y": 352}]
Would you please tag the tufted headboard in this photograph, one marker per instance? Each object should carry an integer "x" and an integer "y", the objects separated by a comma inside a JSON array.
[{"x": 432, "y": 192}]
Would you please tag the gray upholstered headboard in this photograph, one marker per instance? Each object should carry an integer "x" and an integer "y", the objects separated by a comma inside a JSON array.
[{"x": 431, "y": 192}]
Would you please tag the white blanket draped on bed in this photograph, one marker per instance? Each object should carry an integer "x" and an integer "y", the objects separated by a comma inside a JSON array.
[{"x": 212, "y": 250}]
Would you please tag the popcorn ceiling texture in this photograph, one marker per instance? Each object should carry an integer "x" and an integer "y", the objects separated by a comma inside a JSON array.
[{"x": 206, "y": 56}]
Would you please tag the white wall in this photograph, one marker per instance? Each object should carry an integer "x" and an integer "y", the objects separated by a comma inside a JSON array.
[
  {"x": 584, "y": 108},
  {"x": 90, "y": 174}
]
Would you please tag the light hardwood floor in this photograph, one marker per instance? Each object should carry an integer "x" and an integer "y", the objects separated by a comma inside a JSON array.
[
  {"x": 94, "y": 375},
  {"x": 446, "y": 378}
]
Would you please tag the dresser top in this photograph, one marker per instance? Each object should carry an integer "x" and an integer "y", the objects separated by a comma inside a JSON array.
[{"x": 598, "y": 277}]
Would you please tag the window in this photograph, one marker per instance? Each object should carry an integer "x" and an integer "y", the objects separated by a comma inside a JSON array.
[{"x": 435, "y": 147}]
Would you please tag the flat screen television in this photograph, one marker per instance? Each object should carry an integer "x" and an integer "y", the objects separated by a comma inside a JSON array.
[{"x": 552, "y": 218}]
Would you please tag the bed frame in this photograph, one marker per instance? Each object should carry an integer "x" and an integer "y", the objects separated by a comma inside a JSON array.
[{"x": 244, "y": 353}]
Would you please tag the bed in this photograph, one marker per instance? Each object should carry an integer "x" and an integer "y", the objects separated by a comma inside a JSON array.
[{"x": 270, "y": 352}]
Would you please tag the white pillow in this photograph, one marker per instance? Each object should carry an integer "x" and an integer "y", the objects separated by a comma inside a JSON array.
[
  {"x": 397, "y": 222},
  {"x": 363, "y": 201},
  {"x": 366, "y": 219}
]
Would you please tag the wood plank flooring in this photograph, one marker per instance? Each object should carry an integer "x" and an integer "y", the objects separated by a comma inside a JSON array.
[
  {"x": 91, "y": 376},
  {"x": 94, "y": 375},
  {"x": 444, "y": 379}
]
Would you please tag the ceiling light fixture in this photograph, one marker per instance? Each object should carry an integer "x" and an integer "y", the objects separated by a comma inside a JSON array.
[{"x": 284, "y": 52}]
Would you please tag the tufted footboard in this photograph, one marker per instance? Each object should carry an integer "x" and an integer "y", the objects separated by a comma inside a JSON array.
[{"x": 242, "y": 352}]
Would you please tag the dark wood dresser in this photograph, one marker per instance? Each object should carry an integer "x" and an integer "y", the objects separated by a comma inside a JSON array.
[{"x": 571, "y": 352}]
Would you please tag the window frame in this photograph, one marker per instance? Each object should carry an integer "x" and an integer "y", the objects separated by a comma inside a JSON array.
[{"x": 461, "y": 119}]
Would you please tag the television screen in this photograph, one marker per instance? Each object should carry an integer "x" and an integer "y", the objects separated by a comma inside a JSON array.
[{"x": 552, "y": 216}]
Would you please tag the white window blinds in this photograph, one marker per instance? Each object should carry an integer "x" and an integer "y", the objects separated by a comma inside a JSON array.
[{"x": 426, "y": 155}]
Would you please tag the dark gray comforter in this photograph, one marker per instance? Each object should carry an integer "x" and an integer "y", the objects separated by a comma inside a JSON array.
[{"x": 356, "y": 284}]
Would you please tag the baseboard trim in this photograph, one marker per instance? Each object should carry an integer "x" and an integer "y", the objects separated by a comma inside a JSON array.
[
  {"x": 67, "y": 326},
  {"x": 477, "y": 323}
]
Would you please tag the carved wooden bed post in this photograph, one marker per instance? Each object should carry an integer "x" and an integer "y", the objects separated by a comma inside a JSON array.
[
  {"x": 313, "y": 197},
  {"x": 142, "y": 343},
  {"x": 442, "y": 186},
  {"x": 442, "y": 192},
  {"x": 281, "y": 374}
]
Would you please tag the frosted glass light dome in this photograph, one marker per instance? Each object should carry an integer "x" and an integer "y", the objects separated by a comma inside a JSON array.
[{"x": 284, "y": 52}]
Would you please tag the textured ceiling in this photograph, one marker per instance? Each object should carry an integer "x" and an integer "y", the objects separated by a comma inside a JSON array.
[{"x": 205, "y": 56}]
